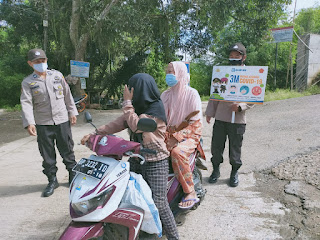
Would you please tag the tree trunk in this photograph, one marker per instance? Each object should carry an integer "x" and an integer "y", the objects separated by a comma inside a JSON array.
[
  {"x": 79, "y": 47},
  {"x": 80, "y": 41}
]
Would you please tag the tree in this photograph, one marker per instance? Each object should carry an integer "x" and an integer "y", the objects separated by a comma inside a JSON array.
[
  {"x": 120, "y": 37},
  {"x": 308, "y": 21},
  {"x": 80, "y": 37}
]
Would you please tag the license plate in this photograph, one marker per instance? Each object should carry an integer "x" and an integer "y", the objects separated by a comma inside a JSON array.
[{"x": 91, "y": 168}]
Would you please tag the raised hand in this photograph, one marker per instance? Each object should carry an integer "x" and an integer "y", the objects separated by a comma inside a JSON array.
[{"x": 127, "y": 94}]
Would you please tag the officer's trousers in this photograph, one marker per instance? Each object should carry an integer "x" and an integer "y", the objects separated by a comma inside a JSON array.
[
  {"x": 234, "y": 132},
  {"x": 48, "y": 136}
]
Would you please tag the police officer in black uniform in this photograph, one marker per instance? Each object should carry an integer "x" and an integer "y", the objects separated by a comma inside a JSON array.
[{"x": 48, "y": 110}]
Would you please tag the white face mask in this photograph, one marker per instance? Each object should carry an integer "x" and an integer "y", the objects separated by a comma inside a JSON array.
[{"x": 41, "y": 67}]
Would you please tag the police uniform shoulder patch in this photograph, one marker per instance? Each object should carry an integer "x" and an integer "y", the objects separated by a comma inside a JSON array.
[{"x": 35, "y": 75}]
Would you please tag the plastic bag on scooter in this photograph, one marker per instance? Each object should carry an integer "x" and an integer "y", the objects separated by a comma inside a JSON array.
[{"x": 138, "y": 193}]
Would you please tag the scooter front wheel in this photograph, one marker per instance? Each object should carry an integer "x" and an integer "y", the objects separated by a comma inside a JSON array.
[
  {"x": 115, "y": 232},
  {"x": 81, "y": 107}
]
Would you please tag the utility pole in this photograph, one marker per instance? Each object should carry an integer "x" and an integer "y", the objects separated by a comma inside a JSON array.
[
  {"x": 294, "y": 14},
  {"x": 45, "y": 25},
  {"x": 275, "y": 67}
]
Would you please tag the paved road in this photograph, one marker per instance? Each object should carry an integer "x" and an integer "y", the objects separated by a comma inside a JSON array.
[{"x": 275, "y": 131}]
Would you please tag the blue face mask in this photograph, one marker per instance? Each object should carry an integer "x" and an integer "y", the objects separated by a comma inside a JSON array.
[
  {"x": 171, "y": 80},
  {"x": 41, "y": 67}
]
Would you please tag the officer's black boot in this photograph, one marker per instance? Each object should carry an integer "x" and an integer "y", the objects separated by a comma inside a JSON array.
[
  {"x": 53, "y": 184},
  {"x": 72, "y": 174},
  {"x": 215, "y": 174},
  {"x": 234, "y": 180}
]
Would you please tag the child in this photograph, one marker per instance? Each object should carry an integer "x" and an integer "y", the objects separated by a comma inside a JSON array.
[{"x": 142, "y": 100}]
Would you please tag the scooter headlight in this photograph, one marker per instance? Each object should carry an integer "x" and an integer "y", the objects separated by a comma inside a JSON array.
[{"x": 85, "y": 207}]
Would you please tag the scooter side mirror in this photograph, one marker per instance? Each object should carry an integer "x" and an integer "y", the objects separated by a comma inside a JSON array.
[
  {"x": 147, "y": 125},
  {"x": 88, "y": 117}
]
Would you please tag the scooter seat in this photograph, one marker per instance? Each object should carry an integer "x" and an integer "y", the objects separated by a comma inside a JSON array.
[{"x": 170, "y": 166}]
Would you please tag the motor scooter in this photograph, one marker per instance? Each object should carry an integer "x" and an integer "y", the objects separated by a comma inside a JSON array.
[
  {"x": 101, "y": 181},
  {"x": 80, "y": 102}
]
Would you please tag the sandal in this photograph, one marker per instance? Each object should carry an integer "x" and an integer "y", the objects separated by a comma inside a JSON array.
[{"x": 194, "y": 201}]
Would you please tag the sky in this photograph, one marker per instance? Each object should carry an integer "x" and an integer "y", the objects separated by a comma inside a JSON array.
[{"x": 303, "y": 4}]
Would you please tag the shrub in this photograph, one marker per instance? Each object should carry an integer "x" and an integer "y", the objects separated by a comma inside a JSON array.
[{"x": 10, "y": 89}]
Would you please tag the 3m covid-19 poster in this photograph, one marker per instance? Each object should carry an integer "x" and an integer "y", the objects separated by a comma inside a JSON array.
[{"x": 239, "y": 84}]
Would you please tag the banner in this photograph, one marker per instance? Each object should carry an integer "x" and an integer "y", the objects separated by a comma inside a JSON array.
[
  {"x": 282, "y": 34},
  {"x": 83, "y": 83},
  {"x": 79, "y": 69},
  {"x": 239, "y": 84}
]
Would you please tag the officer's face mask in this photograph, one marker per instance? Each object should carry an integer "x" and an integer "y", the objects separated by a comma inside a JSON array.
[
  {"x": 171, "y": 80},
  {"x": 235, "y": 61},
  {"x": 41, "y": 67}
]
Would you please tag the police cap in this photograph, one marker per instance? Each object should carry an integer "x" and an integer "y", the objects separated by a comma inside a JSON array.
[
  {"x": 36, "y": 53},
  {"x": 239, "y": 47}
]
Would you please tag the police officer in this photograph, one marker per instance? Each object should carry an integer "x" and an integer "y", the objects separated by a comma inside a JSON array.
[
  {"x": 47, "y": 106},
  {"x": 223, "y": 128}
]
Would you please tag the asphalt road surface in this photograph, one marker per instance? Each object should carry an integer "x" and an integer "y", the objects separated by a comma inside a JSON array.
[{"x": 278, "y": 134}]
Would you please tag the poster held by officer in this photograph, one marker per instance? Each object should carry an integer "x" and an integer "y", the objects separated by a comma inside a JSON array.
[{"x": 239, "y": 84}]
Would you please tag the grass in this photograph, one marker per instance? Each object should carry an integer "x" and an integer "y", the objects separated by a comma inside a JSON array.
[
  {"x": 280, "y": 94},
  {"x": 205, "y": 98},
  {"x": 17, "y": 107}
]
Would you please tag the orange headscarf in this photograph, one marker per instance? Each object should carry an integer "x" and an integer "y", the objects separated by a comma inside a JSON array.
[{"x": 180, "y": 100}]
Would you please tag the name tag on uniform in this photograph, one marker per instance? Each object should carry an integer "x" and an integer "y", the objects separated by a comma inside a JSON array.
[{"x": 34, "y": 87}]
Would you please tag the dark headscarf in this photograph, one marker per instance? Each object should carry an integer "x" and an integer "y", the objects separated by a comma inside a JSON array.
[{"x": 146, "y": 96}]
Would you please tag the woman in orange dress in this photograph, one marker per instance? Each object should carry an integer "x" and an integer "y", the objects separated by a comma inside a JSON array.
[{"x": 179, "y": 101}]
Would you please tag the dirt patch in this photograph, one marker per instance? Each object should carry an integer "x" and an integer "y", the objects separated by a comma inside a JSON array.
[
  {"x": 11, "y": 127},
  {"x": 295, "y": 182}
]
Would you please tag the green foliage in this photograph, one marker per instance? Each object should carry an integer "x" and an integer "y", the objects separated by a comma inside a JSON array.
[
  {"x": 200, "y": 77},
  {"x": 246, "y": 21},
  {"x": 117, "y": 43},
  {"x": 15, "y": 108},
  {"x": 205, "y": 98},
  {"x": 280, "y": 94},
  {"x": 313, "y": 90},
  {"x": 10, "y": 88},
  {"x": 308, "y": 21},
  {"x": 155, "y": 66},
  {"x": 264, "y": 55}
]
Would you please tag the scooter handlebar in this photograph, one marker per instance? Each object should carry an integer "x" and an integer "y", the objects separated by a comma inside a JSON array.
[{"x": 131, "y": 154}]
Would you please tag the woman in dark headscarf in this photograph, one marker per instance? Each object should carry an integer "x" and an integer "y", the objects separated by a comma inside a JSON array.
[{"x": 142, "y": 100}]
